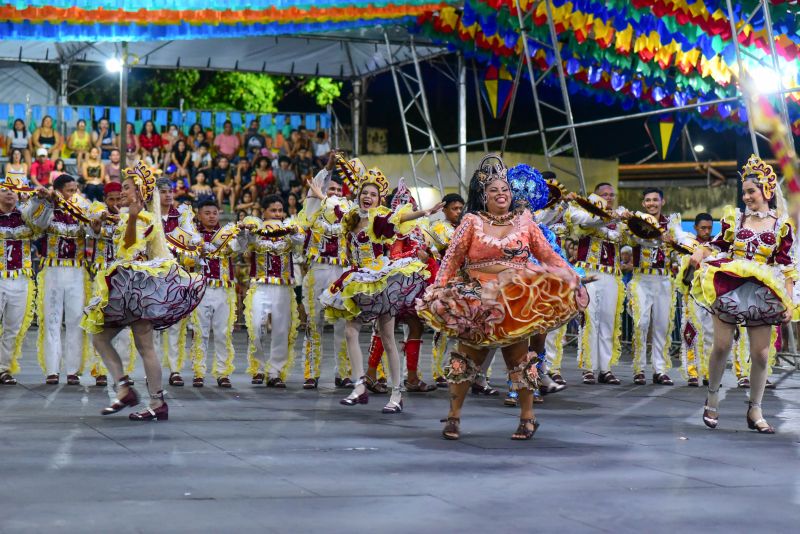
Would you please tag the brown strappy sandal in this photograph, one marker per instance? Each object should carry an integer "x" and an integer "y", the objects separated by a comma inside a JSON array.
[
  {"x": 451, "y": 428},
  {"x": 522, "y": 430}
]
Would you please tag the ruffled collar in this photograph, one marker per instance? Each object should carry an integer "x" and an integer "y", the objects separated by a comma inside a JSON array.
[{"x": 760, "y": 214}]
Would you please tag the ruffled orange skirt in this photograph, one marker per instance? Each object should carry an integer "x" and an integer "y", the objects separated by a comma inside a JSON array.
[{"x": 496, "y": 310}]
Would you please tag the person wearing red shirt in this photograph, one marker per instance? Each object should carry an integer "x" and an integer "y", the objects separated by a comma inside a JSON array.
[{"x": 41, "y": 168}]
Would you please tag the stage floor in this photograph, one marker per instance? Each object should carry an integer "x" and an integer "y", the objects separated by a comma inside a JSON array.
[{"x": 250, "y": 459}]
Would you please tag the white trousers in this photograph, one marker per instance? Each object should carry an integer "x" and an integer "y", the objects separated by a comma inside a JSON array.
[
  {"x": 600, "y": 334},
  {"x": 274, "y": 304},
  {"x": 62, "y": 301},
  {"x": 318, "y": 278},
  {"x": 214, "y": 315},
  {"x": 554, "y": 347},
  {"x": 651, "y": 304},
  {"x": 16, "y": 314},
  {"x": 171, "y": 342}
]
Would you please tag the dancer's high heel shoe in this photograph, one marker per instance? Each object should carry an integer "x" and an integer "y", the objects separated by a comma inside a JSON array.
[
  {"x": 395, "y": 404},
  {"x": 754, "y": 425},
  {"x": 354, "y": 397},
  {"x": 130, "y": 399},
  {"x": 710, "y": 415},
  {"x": 148, "y": 414}
]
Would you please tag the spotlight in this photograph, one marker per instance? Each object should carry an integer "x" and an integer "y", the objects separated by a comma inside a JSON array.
[
  {"x": 699, "y": 148},
  {"x": 766, "y": 80},
  {"x": 114, "y": 64}
]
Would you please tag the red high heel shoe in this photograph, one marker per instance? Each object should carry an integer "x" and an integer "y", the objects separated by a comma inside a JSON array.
[
  {"x": 149, "y": 414},
  {"x": 130, "y": 399},
  {"x": 354, "y": 398}
]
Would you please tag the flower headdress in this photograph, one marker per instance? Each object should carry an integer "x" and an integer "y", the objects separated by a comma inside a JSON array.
[
  {"x": 763, "y": 173},
  {"x": 492, "y": 168},
  {"x": 374, "y": 176},
  {"x": 145, "y": 179},
  {"x": 529, "y": 186}
]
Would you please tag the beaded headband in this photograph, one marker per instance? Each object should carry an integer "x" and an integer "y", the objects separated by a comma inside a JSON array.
[
  {"x": 763, "y": 173},
  {"x": 145, "y": 179}
]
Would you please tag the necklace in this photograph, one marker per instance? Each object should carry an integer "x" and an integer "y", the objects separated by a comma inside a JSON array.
[
  {"x": 363, "y": 213},
  {"x": 498, "y": 220},
  {"x": 760, "y": 214}
]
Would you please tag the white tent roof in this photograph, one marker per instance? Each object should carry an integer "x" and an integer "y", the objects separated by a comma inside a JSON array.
[
  {"x": 343, "y": 55},
  {"x": 21, "y": 83}
]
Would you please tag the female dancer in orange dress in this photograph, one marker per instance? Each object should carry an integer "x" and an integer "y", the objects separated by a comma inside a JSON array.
[{"x": 502, "y": 299}]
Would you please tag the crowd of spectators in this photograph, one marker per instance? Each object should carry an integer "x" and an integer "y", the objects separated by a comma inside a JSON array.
[{"x": 236, "y": 169}]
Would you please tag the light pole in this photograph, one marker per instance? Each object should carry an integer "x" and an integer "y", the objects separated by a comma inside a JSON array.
[{"x": 120, "y": 65}]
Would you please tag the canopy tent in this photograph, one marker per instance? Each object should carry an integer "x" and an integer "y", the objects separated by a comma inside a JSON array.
[
  {"x": 349, "y": 54},
  {"x": 20, "y": 83}
]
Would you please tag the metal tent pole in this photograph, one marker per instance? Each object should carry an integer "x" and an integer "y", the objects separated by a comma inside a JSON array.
[
  {"x": 462, "y": 122},
  {"x": 63, "y": 87},
  {"x": 784, "y": 110},
  {"x": 123, "y": 107},
  {"x": 356, "y": 112},
  {"x": 426, "y": 114},
  {"x": 399, "y": 96}
]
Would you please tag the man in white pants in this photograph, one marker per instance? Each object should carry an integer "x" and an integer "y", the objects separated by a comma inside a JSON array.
[
  {"x": 599, "y": 238},
  {"x": 217, "y": 311},
  {"x": 179, "y": 227},
  {"x": 651, "y": 291},
  {"x": 326, "y": 253},
  {"x": 271, "y": 299},
  {"x": 62, "y": 284},
  {"x": 17, "y": 289}
]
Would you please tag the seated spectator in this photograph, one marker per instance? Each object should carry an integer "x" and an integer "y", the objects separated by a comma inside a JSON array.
[
  {"x": 284, "y": 175},
  {"x": 303, "y": 165},
  {"x": 296, "y": 189},
  {"x": 132, "y": 142},
  {"x": 201, "y": 158},
  {"x": 170, "y": 136},
  {"x": 183, "y": 190},
  {"x": 291, "y": 145},
  {"x": 196, "y": 136},
  {"x": 46, "y": 137},
  {"x": 79, "y": 142},
  {"x": 222, "y": 182},
  {"x": 241, "y": 214},
  {"x": 263, "y": 179},
  {"x": 41, "y": 168},
  {"x": 154, "y": 159},
  {"x": 93, "y": 170},
  {"x": 254, "y": 142},
  {"x": 293, "y": 205},
  {"x": 227, "y": 143},
  {"x": 246, "y": 202},
  {"x": 149, "y": 138},
  {"x": 269, "y": 151},
  {"x": 20, "y": 139},
  {"x": 256, "y": 211},
  {"x": 113, "y": 169},
  {"x": 322, "y": 149},
  {"x": 104, "y": 138},
  {"x": 59, "y": 168},
  {"x": 16, "y": 166},
  {"x": 182, "y": 158},
  {"x": 244, "y": 174},
  {"x": 201, "y": 191}
]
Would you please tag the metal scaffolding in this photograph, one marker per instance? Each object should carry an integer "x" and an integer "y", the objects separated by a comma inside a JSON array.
[{"x": 420, "y": 136}]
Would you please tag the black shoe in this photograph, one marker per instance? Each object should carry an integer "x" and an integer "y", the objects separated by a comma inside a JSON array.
[
  {"x": 311, "y": 383},
  {"x": 276, "y": 383}
]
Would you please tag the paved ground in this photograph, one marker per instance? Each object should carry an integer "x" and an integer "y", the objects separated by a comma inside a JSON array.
[{"x": 615, "y": 459}]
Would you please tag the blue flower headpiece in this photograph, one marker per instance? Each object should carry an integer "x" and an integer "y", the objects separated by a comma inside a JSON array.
[{"x": 528, "y": 185}]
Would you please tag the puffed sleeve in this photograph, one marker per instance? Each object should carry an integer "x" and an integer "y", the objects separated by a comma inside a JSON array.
[
  {"x": 37, "y": 213},
  {"x": 457, "y": 250},
  {"x": 724, "y": 239},
  {"x": 577, "y": 217},
  {"x": 541, "y": 249},
  {"x": 385, "y": 225},
  {"x": 144, "y": 233},
  {"x": 783, "y": 250},
  {"x": 186, "y": 222}
]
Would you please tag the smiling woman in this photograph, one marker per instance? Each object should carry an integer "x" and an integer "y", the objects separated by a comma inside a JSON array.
[{"x": 503, "y": 299}]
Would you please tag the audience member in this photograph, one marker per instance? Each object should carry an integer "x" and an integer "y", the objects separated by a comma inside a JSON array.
[
  {"x": 41, "y": 168},
  {"x": 201, "y": 191},
  {"x": 149, "y": 138},
  {"x": 284, "y": 175},
  {"x": 45, "y": 136},
  {"x": 254, "y": 142},
  {"x": 16, "y": 166},
  {"x": 92, "y": 169},
  {"x": 113, "y": 168},
  {"x": 182, "y": 158},
  {"x": 201, "y": 158},
  {"x": 322, "y": 149},
  {"x": 79, "y": 142},
  {"x": 227, "y": 143},
  {"x": 133, "y": 146},
  {"x": 104, "y": 138},
  {"x": 222, "y": 182},
  {"x": 19, "y": 138}
]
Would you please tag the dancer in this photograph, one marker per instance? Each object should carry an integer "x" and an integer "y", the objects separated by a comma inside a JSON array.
[
  {"x": 144, "y": 288},
  {"x": 270, "y": 299},
  {"x": 62, "y": 283},
  {"x": 441, "y": 232},
  {"x": 17, "y": 289},
  {"x": 326, "y": 254},
  {"x": 745, "y": 276},
  {"x": 179, "y": 227},
  {"x": 600, "y": 336},
  {"x": 216, "y": 313},
  {"x": 651, "y": 291},
  {"x": 375, "y": 288},
  {"x": 504, "y": 298},
  {"x": 100, "y": 254}
]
